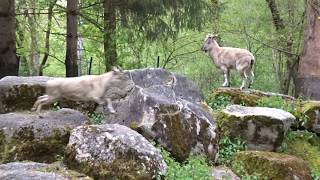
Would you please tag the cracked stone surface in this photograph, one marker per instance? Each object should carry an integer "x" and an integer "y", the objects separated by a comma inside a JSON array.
[
  {"x": 113, "y": 151},
  {"x": 261, "y": 127},
  {"x": 169, "y": 109}
]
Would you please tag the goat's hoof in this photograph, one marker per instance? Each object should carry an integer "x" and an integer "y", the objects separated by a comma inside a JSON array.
[{"x": 33, "y": 109}]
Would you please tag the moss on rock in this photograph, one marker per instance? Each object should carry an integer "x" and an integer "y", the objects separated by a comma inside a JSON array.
[
  {"x": 24, "y": 146},
  {"x": 305, "y": 145},
  {"x": 270, "y": 165}
]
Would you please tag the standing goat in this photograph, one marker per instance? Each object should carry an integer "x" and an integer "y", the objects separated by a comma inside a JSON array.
[
  {"x": 227, "y": 58},
  {"x": 97, "y": 88}
]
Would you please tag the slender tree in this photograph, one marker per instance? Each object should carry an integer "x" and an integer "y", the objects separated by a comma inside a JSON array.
[
  {"x": 9, "y": 64},
  {"x": 72, "y": 39},
  {"x": 308, "y": 81},
  {"x": 286, "y": 76},
  {"x": 109, "y": 34},
  {"x": 47, "y": 40}
]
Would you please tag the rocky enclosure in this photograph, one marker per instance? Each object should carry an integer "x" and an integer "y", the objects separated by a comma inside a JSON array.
[{"x": 162, "y": 107}]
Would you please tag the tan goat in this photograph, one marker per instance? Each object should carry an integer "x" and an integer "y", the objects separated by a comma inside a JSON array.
[
  {"x": 227, "y": 58},
  {"x": 84, "y": 88}
]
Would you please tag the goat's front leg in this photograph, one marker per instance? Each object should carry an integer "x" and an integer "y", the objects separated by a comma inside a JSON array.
[
  {"x": 226, "y": 74},
  {"x": 109, "y": 104},
  {"x": 110, "y": 107}
]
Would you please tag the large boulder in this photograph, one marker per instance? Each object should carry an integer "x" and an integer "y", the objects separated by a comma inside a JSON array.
[
  {"x": 113, "y": 151},
  {"x": 20, "y": 93},
  {"x": 262, "y": 128},
  {"x": 169, "y": 109},
  {"x": 42, "y": 139},
  {"x": 38, "y": 171},
  {"x": 308, "y": 112},
  {"x": 270, "y": 165}
]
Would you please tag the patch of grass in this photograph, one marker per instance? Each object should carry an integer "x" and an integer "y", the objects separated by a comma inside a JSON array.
[
  {"x": 219, "y": 102},
  {"x": 276, "y": 102},
  {"x": 195, "y": 167},
  {"x": 96, "y": 117},
  {"x": 228, "y": 147}
]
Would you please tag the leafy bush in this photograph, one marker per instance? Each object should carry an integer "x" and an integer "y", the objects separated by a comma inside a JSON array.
[
  {"x": 96, "y": 117},
  {"x": 228, "y": 147},
  {"x": 195, "y": 167},
  {"x": 219, "y": 102}
]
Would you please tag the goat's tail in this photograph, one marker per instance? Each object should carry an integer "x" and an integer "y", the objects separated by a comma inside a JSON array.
[{"x": 252, "y": 62}]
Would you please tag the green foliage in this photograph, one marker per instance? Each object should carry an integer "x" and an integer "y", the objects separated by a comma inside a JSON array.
[
  {"x": 315, "y": 175},
  {"x": 195, "y": 167},
  {"x": 306, "y": 145},
  {"x": 56, "y": 106},
  {"x": 96, "y": 117},
  {"x": 276, "y": 102},
  {"x": 219, "y": 102},
  {"x": 228, "y": 147}
]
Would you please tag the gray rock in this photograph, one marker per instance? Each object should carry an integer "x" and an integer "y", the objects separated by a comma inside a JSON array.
[
  {"x": 20, "y": 93},
  {"x": 113, "y": 151},
  {"x": 169, "y": 109},
  {"x": 37, "y": 171},
  {"x": 223, "y": 173},
  {"x": 262, "y": 128},
  {"x": 28, "y": 137}
]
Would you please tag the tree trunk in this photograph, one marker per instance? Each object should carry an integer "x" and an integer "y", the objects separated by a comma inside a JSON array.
[
  {"x": 9, "y": 65},
  {"x": 47, "y": 41},
  {"x": 72, "y": 39},
  {"x": 277, "y": 21},
  {"x": 34, "y": 56},
  {"x": 109, "y": 36},
  {"x": 290, "y": 63},
  {"x": 308, "y": 80}
]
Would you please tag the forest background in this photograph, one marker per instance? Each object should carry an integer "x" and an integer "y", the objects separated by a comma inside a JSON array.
[{"x": 74, "y": 38}]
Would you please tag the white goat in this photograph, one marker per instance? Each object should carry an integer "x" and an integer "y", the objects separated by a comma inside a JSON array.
[
  {"x": 84, "y": 88},
  {"x": 227, "y": 58}
]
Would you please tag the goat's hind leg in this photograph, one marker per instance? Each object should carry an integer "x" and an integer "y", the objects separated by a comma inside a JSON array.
[
  {"x": 251, "y": 78},
  {"x": 38, "y": 102},
  {"x": 244, "y": 79}
]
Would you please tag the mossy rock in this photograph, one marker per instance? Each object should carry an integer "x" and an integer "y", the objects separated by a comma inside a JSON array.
[
  {"x": 262, "y": 128},
  {"x": 308, "y": 113},
  {"x": 28, "y": 137},
  {"x": 304, "y": 145},
  {"x": 271, "y": 165},
  {"x": 112, "y": 151},
  {"x": 32, "y": 170},
  {"x": 247, "y": 97}
]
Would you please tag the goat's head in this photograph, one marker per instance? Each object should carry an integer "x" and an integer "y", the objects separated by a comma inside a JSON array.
[{"x": 208, "y": 42}]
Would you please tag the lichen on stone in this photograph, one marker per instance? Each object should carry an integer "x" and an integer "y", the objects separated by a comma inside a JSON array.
[{"x": 270, "y": 165}]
